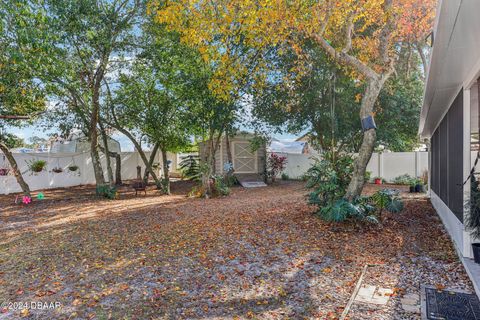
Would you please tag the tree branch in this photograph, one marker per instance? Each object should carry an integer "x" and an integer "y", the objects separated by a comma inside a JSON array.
[
  {"x": 345, "y": 58},
  {"x": 12, "y": 117},
  {"x": 386, "y": 31},
  {"x": 348, "y": 35},
  {"x": 423, "y": 57}
]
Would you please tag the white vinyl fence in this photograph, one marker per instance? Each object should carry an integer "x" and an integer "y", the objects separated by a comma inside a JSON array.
[
  {"x": 387, "y": 165},
  {"x": 48, "y": 179}
]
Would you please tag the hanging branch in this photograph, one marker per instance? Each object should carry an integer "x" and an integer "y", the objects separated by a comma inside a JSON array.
[
  {"x": 12, "y": 117},
  {"x": 18, "y": 117}
]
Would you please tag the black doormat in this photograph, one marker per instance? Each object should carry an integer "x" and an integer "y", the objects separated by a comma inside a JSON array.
[{"x": 450, "y": 305}]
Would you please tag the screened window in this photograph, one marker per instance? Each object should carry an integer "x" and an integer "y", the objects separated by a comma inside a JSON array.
[{"x": 447, "y": 158}]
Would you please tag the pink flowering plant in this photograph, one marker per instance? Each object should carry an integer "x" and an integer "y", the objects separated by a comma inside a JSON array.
[{"x": 275, "y": 165}]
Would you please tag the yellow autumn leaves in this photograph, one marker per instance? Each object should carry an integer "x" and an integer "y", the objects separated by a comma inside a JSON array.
[{"x": 234, "y": 36}]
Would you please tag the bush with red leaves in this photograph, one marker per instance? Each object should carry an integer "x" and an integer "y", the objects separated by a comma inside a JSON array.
[{"x": 275, "y": 165}]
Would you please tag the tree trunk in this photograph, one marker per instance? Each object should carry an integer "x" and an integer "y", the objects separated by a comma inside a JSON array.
[
  {"x": 97, "y": 166},
  {"x": 150, "y": 161},
  {"x": 355, "y": 187},
  {"x": 93, "y": 135},
  {"x": 229, "y": 153},
  {"x": 166, "y": 172},
  {"x": 137, "y": 145},
  {"x": 423, "y": 58},
  {"x": 106, "y": 151},
  {"x": 142, "y": 155},
  {"x": 118, "y": 165},
  {"x": 118, "y": 169},
  {"x": 206, "y": 174},
  {"x": 208, "y": 170},
  {"x": 16, "y": 172}
]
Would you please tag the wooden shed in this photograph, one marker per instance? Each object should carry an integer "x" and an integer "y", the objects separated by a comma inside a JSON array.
[{"x": 244, "y": 159}]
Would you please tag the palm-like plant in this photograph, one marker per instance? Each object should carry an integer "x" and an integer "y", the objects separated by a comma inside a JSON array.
[
  {"x": 386, "y": 199},
  {"x": 190, "y": 168}
]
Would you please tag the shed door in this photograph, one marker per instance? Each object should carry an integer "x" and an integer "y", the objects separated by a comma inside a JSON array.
[{"x": 244, "y": 160}]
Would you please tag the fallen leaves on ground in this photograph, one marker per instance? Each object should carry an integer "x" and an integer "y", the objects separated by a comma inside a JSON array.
[{"x": 257, "y": 254}]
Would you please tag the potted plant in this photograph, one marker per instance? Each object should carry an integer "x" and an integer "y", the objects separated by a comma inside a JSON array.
[
  {"x": 73, "y": 167},
  {"x": 36, "y": 166},
  {"x": 377, "y": 180},
  {"x": 412, "y": 185},
  {"x": 57, "y": 170},
  {"x": 472, "y": 220},
  {"x": 417, "y": 185}
]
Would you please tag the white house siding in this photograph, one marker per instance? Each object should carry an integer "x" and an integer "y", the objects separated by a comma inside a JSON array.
[{"x": 454, "y": 226}]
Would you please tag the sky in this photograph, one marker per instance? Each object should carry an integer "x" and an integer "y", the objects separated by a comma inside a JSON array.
[{"x": 125, "y": 144}]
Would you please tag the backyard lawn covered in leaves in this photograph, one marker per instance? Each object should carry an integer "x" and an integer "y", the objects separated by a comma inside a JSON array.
[{"x": 256, "y": 254}]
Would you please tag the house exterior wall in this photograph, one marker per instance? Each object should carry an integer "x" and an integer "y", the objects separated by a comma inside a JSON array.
[
  {"x": 454, "y": 66},
  {"x": 450, "y": 166}
]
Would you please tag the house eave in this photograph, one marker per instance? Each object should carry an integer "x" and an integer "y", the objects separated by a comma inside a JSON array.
[{"x": 454, "y": 60}]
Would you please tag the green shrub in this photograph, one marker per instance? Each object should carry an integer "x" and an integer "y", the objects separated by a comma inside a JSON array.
[
  {"x": 386, "y": 199},
  {"x": 197, "y": 192},
  {"x": 285, "y": 176},
  {"x": 190, "y": 168},
  {"x": 404, "y": 179},
  {"x": 368, "y": 176},
  {"x": 230, "y": 180},
  {"x": 220, "y": 186},
  {"x": 106, "y": 191},
  {"x": 415, "y": 181},
  {"x": 328, "y": 179},
  {"x": 473, "y": 205},
  {"x": 342, "y": 210}
]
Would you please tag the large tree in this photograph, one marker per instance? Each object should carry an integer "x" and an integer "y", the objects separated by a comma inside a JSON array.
[
  {"x": 324, "y": 103},
  {"x": 21, "y": 96},
  {"x": 363, "y": 36},
  {"x": 149, "y": 99},
  {"x": 226, "y": 65},
  {"x": 373, "y": 32},
  {"x": 87, "y": 40},
  {"x": 152, "y": 107}
]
